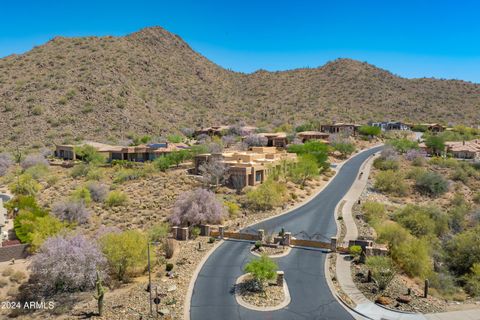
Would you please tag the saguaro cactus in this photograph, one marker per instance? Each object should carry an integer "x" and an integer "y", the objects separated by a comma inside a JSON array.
[{"x": 100, "y": 294}]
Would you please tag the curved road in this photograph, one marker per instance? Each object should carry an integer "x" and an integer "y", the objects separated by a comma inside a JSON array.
[{"x": 311, "y": 298}]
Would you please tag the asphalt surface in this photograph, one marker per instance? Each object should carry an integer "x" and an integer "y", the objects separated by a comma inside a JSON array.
[{"x": 311, "y": 298}]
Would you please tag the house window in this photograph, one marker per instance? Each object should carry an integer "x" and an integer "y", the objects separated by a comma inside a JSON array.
[{"x": 258, "y": 176}]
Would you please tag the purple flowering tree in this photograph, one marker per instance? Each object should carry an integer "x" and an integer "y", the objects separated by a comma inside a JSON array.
[
  {"x": 197, "y": 207},
  {"x": 67, "y": 264},
  {"x": 255, "y": 140}
]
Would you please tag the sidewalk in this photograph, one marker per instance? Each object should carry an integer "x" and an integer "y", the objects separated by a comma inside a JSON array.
[{"x": 364, "y": 306}]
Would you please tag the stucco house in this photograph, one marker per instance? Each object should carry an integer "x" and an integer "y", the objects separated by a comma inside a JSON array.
[
  {"x": 349, "y": 129},
  {"x": 248, "y": 168},
  {"x": 391, "y": 125},
  {"x": 305, "y": 136},
  {"x": 275, "y": 139}
]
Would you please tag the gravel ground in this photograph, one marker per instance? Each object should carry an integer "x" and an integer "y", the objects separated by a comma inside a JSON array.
[{"x": 272, "y": 296}]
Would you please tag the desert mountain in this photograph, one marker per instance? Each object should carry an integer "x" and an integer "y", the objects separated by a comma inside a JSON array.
[{"x": 152, "y": 82}]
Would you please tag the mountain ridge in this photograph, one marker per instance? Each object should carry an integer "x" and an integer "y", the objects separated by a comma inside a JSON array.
[{"x": 152, "y": 82}]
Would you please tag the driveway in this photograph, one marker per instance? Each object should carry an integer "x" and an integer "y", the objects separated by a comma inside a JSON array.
[{"x": 212, "y": 296}]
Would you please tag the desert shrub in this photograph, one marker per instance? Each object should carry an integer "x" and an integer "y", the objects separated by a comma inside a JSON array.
[
  {"x": 255, "y": 140},
  {"x": 370, "y": 131},
  {"x": 34, "y": 160},
  {"x": 383, "y": 270},
  {"x": 169, "y": 267},
  {"x": 81, "y": 194},
  {"x": 403, "y": 145},
  {"x": 178, "y": 157},
  {"x": 355, "y": 251},
  {"x": 374, "y": 212},
  {"x": 414, "y": 155},
  {"x": 67, "y": 264},
  {"x": 392, "y": 234},
  {"x": 472, "y": 280},
  {"x": 383, "y": 164},
  {"x": 195, "y": 232},
  {"x": 116, "y": 199},
  {"x": 344, "y": 147},
  {"x": 232, "y": 208},
  {"x": 170, "y": 248},
  {"x": 25, "y": 185},
  {"x": 37, "y": 171},
  {"x": 314, "y": 148},
  {"x": 476, "y": 197},
  {"x": 98, "y": 191},
  {"x": 431, "y": 183},
  {"x": 305, "y": 169},
  {"x": 159, "y": 232},
  {"x": 267, "y": 195},
  {"x": 188, "y": 132},
  {"x": 6, "y": 162},
  {"x": 125, "y": 252},
  {"x": 197, "y": 207},
  {"x": 18, "y": 276},
  {"x": 71, "y": 211},
  {"x": 94, "y": 173},
  {"x": 262, "y": 270},
  {"x": 422, "y": 220},
  {"x": 124, "y": 175},
  {"x": 228, "y": 140},
  {"x": 413, "y": 256},
  {"x": 444, "y": 162},
  {"x": 163, "y": 163},
  {"x": 89, "y": 154},
  {"x": 44, "y": 228},
  {"x": 174, "y": 138},
  {"x": 463, "y": 250},
  {"x": 80, "y": 170},
  {"x": 391, "y": 182},
  {"x": 389, "y": 153},
  {"x": 414, "y": 173}
]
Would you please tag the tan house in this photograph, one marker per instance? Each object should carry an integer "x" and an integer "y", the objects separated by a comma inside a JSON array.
[
  {"x": 248, "y": 168},
  {"x": 275, "y": 139},
  {"x": 463, "y": 149},
  {"x": 221, "y": 130},
  {"x": 341, "y": 128},
  {"x": 140, "y": 153},
  {"x": 312, "y": 135}
]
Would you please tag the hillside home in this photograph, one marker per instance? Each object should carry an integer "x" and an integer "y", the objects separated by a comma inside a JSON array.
[
  {"x": 305, "y": 136},
  {"x": 390, "y": 125},
  {"x": 275, "y": 139},
  {"x": 349, "y": 129},
  {"x": 463, "y": 149},
  {"x": 248, "y": 168},
  {"x": 434, "y": 127},
  {"x": 140, "y": 153},
  {"x": 222, "y": 130}
]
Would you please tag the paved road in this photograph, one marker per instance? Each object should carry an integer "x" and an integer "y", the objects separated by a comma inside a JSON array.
[{"x": 212, "y": 297}]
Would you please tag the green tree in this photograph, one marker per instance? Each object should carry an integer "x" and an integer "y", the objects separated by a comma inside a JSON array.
[
  {"x": 163, "y": 163},
  {"x": 463, "y": 251},
  {"x": 370, "y": 131},
  {"x": 305, "y": 169},
  {"x": 383, "y": 270},
  {"x": 262, "y": 270},
  {"x": 472, "y": 280},
  {"x": 315, "y": 148},
  {"x": 89, "y": 154},
  {"x": 436, "y": 144},
  {"x": 126, "y": 252},
  {"x": 44, "y": 228},
  {"x": 267, "y": 195},
  {"x": 403, "y": 145}
]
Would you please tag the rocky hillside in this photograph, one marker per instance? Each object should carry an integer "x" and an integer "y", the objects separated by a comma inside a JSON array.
[{"x": 152, "y": 82}]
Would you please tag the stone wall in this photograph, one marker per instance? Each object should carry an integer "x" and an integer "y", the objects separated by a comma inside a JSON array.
[{"x": 18, "y": 251}]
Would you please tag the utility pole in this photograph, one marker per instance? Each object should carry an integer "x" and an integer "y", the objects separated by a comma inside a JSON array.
[{"x": 149, "y": 278}]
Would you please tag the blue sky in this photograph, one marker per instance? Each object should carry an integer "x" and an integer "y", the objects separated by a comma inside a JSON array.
[{"x": 410, "y": 38}]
